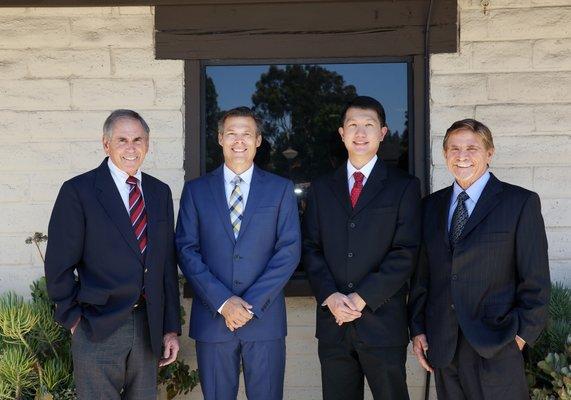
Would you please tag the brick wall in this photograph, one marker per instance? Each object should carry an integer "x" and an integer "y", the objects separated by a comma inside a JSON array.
[
  {"x": 62, "y": 70},
  {"x": 513, "y": 72}
]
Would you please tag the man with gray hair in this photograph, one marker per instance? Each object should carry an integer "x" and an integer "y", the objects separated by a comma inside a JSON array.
[{"x": 113, "y": 227}]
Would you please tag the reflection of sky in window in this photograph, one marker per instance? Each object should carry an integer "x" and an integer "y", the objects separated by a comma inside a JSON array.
[{"x": 387, "y": 82}]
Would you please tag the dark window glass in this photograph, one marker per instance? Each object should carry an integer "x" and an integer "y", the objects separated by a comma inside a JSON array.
[{"x": 301, "y": 107}]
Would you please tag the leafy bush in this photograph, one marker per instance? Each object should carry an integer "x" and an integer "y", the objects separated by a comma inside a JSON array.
[{"x": 549, "y": 376}]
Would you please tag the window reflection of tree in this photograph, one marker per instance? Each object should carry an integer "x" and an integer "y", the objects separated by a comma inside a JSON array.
[{"x": 301, "y": 107}]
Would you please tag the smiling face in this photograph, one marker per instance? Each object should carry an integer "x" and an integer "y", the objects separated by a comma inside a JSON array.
[
  {"x": 127, "y": 145},
  {"x": 362, "y": 134},
  {"x": 467, "y": 156},
  {"x": 239, "y": 141}
]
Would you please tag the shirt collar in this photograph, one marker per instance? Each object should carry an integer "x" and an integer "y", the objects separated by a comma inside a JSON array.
[
  {"x": 365, "y": 170},
  {"x": 475, "y": 190},
  {"x": 246, "y": 175},
  {"x": 119, "y": 174}
]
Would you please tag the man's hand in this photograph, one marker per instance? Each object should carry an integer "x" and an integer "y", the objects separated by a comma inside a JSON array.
[
  {"x": 358, "y": 301},
  {"x": 342, "y": 308},
  {"x": 171, "y": 345},
  {"x": 236, "y": 313},
  {"x": 419, "y": 348},
  {"x": 520, "y": 342},
  {"x": 74, "y": 326}
]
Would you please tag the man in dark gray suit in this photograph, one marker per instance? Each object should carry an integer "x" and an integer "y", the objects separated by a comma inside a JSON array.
[{"x": 481, "y": 289}]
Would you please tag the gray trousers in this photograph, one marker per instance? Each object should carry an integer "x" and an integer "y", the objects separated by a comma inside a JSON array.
[{"x": 120, "y": 367}]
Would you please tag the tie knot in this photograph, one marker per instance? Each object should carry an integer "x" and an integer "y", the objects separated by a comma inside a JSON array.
[
  {"x": 462, "y": 197},
  {"x": 237, "y": 180},
  {"x": 358, "y": 177},
  {"x": 131, "y": 180}
]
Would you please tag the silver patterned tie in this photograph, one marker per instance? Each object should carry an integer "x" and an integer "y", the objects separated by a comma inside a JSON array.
[
  {"x": 459, "y": 219},
  {"x": 236, "y": 205}
]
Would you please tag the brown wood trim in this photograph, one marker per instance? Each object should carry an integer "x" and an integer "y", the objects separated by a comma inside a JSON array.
[
  {"x": 109, "y": 3},
  {"x": 334, "y": 17},
  {"x": 193, "y": 107}
]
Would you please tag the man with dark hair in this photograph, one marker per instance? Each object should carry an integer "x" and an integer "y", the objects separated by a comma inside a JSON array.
[
  {"x": 361, "y": 236},
  {"x": 239, "y": 242},
  {"x": 481, "y": 288},
  {"x": 114, "y": 227}
]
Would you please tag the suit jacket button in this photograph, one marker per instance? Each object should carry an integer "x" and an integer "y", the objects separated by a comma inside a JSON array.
[
  {"x": 146, "y": 270},
  {"x": 454, "y": 277},
  {"x": 350, "y": 255},
  {"x": 352, "y": 225},
  {"x": 350, "y": 285},
  {"x": 452, "y": 307}
]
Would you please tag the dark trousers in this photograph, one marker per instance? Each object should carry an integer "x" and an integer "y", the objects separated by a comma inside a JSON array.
[
  {"x": 344, "y": 366},
  {"x": 263, "y": 363},
  {"x": 119, "y": 367},
  {"x": 472, "y": 377}
]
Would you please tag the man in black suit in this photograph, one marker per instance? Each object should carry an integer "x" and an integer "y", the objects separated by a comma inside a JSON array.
[
  {"x": 361, "y": 237},
  {"x": 114, "y": 227},
  {"x": 481, "y": 289}
]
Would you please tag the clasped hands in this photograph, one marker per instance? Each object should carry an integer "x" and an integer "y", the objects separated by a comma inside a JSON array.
[
  {"x": 236, "y": 313},
  {"x": 345, "y": 308}
]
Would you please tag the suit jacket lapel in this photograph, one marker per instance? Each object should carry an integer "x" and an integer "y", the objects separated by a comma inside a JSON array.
[
  {"x": 487, "y": 201},
  {"x": 373, "y": 185},
  {"x": 151, "y": 207},
  {"x": 340, "y": 188},
  {"x": 110, "y": 199},
  {"x": 256, "y": 188},
  {"x": 216, "y": 182},
  {"x": 444, "y": 208}
]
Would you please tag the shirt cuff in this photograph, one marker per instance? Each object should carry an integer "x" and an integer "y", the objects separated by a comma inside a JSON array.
[{"x": 222, "y": 306}]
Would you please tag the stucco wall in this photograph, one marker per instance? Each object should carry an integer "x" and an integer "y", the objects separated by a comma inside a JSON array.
[{"x": 62, "y": 70}]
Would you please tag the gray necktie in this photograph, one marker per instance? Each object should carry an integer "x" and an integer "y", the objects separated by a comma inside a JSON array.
[
  {"x": 236, "y": 205},
  {"x": 459, "y": 219}
]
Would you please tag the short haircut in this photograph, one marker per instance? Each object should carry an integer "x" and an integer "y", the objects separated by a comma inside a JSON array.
[
  {"x": 473, "y": 126},
  {"x": 365, "y": 103},
  {"x": 122, "y": 114},
  {"x": 242, "y": 111}
]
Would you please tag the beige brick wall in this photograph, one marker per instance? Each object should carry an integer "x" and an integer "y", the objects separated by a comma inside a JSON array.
[
  {"x": 513, "y": 72},
  {"x": 62, "y": 70}
]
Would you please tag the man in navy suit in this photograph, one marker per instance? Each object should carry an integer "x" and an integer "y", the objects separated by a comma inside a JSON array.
[
  {"x": 481, "y": 288},
  {"x": 114, "y": 227},
  {"x": 238, "y": 240}
]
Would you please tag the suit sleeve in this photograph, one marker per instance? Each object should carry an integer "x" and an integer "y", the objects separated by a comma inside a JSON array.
[
  {"x": 171, "y": 322},
  {"x": 399, "y": 262},
  {"x": 207, "y": 286},
  {"x": 418, "y": 295},
  {"x": 320, "y": 277},
  {"x": 66, "y": 233},
  {"x": 532, "y": 296},
  {"x": 285, "y": 258}
]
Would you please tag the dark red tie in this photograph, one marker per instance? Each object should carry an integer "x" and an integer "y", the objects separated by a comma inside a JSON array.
[
  {"x": 137, "y": 213},
  {"x": 357, "y": 187}
]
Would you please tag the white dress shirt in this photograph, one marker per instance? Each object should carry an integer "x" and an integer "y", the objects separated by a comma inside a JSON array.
[
  {"x": 365, "y": 170},
  {"x": 120, "y": 178}
]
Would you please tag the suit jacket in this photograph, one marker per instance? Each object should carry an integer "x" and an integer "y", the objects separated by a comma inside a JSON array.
[
  {"x": 255, "y": 266},
  {"x": 494, "y": 286},
  {"x": 90, "y": 233},
  {"x": 370, "y": 249}
]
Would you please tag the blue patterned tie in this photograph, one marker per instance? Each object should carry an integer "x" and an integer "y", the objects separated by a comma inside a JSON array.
[
  {"x": 459, "y": 219},
  {"x": 236, "y": 205}
]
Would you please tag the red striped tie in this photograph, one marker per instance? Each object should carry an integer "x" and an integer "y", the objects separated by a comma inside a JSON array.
[{"x": 137, "y": 213}]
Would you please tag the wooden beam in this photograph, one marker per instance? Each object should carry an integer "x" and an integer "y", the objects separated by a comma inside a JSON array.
[{"x": 108, "y": 3}]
